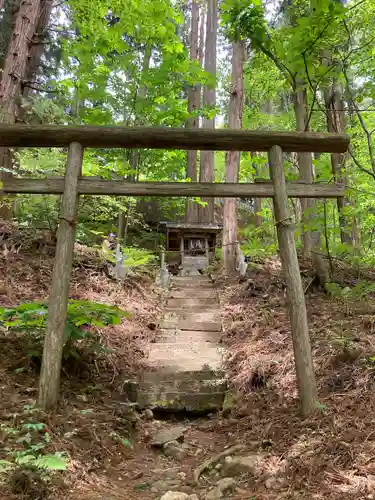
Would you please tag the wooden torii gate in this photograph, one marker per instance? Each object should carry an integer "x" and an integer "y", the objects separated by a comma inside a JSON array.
[{"x": 73, "y": 184}]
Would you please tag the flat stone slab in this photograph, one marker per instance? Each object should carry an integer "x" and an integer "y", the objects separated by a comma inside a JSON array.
[
  {"x": 177, "y": 401},
  {"x": 188, "y": 336},
  {"x": 201, "y": 278},
  {"x": 192, "y": 303},
  {"x": 191, "y": 325},
  {"x": 190, "y": 293},
  {"x": 211, "y": 315},
  {"x": 192, "y": 283},
  {"x": 182, "y": 379},
  {"x": 194, "y": 357},
  {"x": 164, "y": 436}
]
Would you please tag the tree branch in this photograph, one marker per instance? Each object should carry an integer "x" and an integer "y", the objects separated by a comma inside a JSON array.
[{"x": 361, "y": 120}]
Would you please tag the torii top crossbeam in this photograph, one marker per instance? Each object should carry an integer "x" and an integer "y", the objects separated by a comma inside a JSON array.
[{"x": 169, "y": 138}]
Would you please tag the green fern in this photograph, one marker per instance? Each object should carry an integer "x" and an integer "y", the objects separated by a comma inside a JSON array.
[
  {"x": 43, "y": 462},
  {"x": 51, "y": 462}
]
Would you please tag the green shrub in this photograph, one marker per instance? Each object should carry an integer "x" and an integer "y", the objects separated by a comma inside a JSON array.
[
  {"x": 31, "y": 320},
  {"x": 135, "y": 257}
]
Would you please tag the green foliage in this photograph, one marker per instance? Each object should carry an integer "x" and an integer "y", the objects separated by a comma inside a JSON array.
[
  {"x": 359, "y": 291},
  {"x": 135, "y": 257},
  {"x": 31, "y": 320},
  {"x": 255, "y": 247},
  {"x": 244, "y": 18},
  {"x": 26, "y": 445}
]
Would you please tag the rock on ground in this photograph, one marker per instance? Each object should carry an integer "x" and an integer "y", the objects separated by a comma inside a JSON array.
[
  {"x": 174, "y": 450},
  {"x": 222, "y": 487},
  {"x": 177, "y": 495},
  {"x": 235, "y": 466},
  {"x": 166, "y": 435}
]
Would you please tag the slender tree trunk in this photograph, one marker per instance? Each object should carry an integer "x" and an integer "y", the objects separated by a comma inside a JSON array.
[
  {"x": 123, "y": 218},
  {"x": 193, "y": 106},
  {"x": 311, "y": 239},
  {"x": 334, "y": 105},
  {"x": 201, "y": 45},
  {"x": 257, "y": 201},
  {"x": 305, "y": 163},
  {"x": 236, "y": 103},
  {"x": 207, "y": 158}
]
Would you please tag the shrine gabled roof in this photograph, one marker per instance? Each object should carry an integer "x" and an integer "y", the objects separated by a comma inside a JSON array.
[{"x": 191, "y": 226}]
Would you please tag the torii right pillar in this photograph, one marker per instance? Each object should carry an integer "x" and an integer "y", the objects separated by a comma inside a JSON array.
[{"x": 295, "y": 294}]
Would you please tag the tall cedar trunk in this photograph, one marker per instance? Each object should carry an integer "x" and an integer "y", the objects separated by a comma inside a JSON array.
[
  {"x": 8, "y": 18},
  {"x": 193, "y": 105},
  {"x": 37, "y": 47},
  {"x": 236, "y": 103},
  {"x": 13, "y": 77},
  {"x": 202, "y": 23},
  {"x": 304, "y": 160},
  {"x": 334, "y": 106},
  {"x": 207, "y": 172},
  {"x": 17, "y": 58},
  {"x": 311, "y": 239},
  {"x": 135, "y": 153}
]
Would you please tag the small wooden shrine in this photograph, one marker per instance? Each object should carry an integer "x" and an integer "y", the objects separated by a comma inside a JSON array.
[{"x": 191, "y": 241}]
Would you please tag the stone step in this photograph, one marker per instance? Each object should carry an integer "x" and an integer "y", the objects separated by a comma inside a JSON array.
[
  {"x": 210, "y": 315},
  {"x": 208, "y": 326},
  {"x": 198, "y": 402},
  {"x": 164, "y": 376},
  {"x": 192, "y": 281},
  {"x": 190, "y": 293},
  {"x": 187, "y": 336},
  {"x": 190, "y": 391},
  {"x": 184, "y": 357},
  {"x": 185, "y": 303},
  {"x": 201, "y": 278},
  {"x": 206, "y": 285}
]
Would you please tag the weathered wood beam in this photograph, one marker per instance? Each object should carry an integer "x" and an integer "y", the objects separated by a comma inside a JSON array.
[
  {"x": 170, "y": 138},
  {"x": 87, "y": 185},
  {"x": 295, "y": 295}
]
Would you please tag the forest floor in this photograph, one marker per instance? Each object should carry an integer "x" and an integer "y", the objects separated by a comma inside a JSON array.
[{"x": 328, "y": 456}]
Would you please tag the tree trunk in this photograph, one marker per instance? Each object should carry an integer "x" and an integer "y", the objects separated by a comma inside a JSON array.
[
  {"x": 207, "y": 172},
  {"x": 305, "y": 163},
  {"x": 16, "y": 61},
  {"x": 8, "y": 18},
  {"x": 236, "y": 103},
  {"x": 13, "y": 76},
  {"x": 135, "y": 155},
  {"x": 37, "y": 45},
  {"x": 257, "y": 201},
  {"x": 334, "y": 105},
  {"x": 311, "y": 239},
  {"x": 193, "y": 106},
  {"x": 202, "y": 22}
]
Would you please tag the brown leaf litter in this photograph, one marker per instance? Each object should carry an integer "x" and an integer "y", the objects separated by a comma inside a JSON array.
[{"x": 332, "y": 454}]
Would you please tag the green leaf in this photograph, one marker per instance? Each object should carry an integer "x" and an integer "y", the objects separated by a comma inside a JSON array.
[
  {"x": 320, "y": 406},
  {"x": 51, "y": 462},
  {"x": 126, "y": 443}
]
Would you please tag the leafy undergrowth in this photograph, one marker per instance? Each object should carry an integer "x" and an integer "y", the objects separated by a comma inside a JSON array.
[
  {"x": 51, "y": 455},
  {"x": 332, "y": 454}
]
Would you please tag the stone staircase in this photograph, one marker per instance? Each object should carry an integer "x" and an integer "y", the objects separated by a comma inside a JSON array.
[{"x": 184, "y": 364}]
